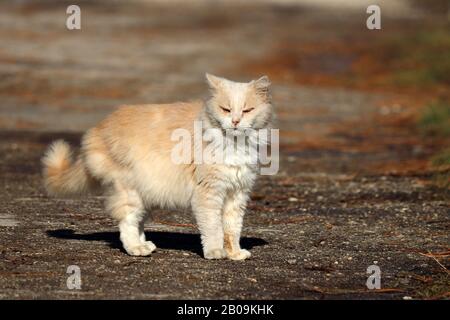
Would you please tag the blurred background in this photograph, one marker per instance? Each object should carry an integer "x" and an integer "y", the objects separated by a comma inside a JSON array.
[
  {"x": 343, "y": 92},
  {"x": 364, "y": 118}
]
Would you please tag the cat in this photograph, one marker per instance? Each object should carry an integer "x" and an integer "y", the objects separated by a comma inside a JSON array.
[{"x": 128, "y": 156}]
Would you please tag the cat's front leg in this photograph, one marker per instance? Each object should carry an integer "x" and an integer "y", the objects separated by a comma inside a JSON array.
[
  {"x": 207, "y": 208},
  {"x": 233, "y": 215}
]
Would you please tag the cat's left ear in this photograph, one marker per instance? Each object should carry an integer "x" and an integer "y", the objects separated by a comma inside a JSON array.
[
  {"x": 214, "y": 82},
  {"x": 261, "y": 85}
]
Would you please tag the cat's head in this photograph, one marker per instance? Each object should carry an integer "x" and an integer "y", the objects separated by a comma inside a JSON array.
[{"x": 239, "y": 106}]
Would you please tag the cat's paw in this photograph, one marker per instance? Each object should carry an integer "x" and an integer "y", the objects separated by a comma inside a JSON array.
[
  {"x": 215, "y": 254},
  {"x": 240, "y": 255},
  {"x": 143, "y": 249}
]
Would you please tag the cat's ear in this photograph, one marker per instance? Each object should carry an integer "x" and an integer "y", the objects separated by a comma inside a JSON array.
[
  {"x": 213, "y": 81},
  {"x": 261, "y": 85}
]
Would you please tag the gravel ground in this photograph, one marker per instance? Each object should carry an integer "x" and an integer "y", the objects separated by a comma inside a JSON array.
[{"x": 353, "y": 189}]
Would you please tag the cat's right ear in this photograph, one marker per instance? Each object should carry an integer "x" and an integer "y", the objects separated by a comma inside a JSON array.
[{"x": 213, "y": 81}]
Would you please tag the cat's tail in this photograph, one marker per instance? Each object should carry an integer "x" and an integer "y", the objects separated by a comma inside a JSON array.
[{"x": 62, "y": 175}]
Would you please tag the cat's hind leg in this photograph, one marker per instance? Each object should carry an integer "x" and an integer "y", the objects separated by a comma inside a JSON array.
[{"x": 126, "y": 206}]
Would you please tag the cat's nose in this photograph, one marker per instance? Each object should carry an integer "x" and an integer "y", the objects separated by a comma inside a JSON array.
[{"x": 235, "y": 121}]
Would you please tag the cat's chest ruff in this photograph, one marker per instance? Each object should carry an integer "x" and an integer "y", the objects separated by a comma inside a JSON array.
[
  {"x": 238, "y": 177},
  {"x": 240, "y": 155}
]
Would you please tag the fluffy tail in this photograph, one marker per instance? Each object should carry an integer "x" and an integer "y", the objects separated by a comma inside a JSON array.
[{"x": 62, "y": 176}]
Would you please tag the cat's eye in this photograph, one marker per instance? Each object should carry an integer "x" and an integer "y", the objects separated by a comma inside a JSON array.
[
  {"x": 225, "y": 109},
  {"x": 247, "y": 110}
]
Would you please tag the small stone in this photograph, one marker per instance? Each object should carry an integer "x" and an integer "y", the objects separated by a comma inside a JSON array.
[
  {"x": 407, "y": 298},
  {"x": 252, "y": 279},
  {"x": 336, "y": 262},
  {"x": 349, "y": 258},
  {"x": 292, "y": 261},
  {"x": 375, "y": 262},
  {"x": 293, "y": 199}
]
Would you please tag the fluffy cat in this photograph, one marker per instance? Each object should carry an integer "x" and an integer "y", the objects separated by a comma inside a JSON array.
[{"x": 128, "y": 156}]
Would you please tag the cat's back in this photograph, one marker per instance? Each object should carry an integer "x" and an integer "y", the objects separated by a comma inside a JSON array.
[
  {"x": 138, "y": 131},
  {"x": 152, "y": 117}
]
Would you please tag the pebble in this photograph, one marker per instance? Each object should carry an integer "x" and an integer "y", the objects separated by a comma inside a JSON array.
[
  {"x": 292, "y": 261},
  {"x": 293, "y": 199}
]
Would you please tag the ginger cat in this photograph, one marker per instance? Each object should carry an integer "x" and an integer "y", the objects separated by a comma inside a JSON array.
[{"x": 129, "y": 156}]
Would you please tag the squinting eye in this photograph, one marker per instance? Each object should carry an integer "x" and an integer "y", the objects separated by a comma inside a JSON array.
[
  {"x": 248, "y": 110},
  {"x": 225, "y": 109}
]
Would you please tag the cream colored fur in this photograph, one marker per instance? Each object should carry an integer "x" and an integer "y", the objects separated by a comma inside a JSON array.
[{"x": 129, "y": 156}]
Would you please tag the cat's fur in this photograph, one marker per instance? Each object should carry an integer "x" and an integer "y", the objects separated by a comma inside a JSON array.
[{"x": 128, "y": 155}]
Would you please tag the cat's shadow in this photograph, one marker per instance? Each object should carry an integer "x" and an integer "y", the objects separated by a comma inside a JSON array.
[{"x": 162, "y": 239}]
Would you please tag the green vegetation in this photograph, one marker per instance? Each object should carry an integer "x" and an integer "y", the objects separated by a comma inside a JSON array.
[
  {"x": 435, "y": 121},
  {"x": 422, "y": 61},
  {"x": 422, "y": 58}
]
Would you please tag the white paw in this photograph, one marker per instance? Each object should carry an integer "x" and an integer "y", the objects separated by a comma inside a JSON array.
[
  {"x": 215, "y": 254},
  {"x": 240, "y": 255},
  {"x": 150, "y": 245},
  {"x": 143, "y": 249}
]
